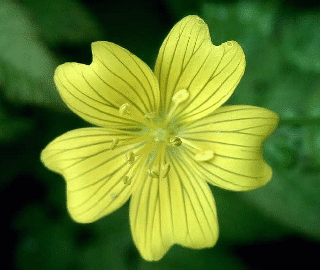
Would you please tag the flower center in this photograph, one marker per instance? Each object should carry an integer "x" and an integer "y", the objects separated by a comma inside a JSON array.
[
  {"x": 159, "y": 135},
  {"x": 163, "y": 138}
]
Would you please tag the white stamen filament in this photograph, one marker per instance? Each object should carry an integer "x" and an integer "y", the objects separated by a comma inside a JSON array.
[
  {"x": 166, "y": 169},
  {"x": 131, "y": 111},
  {"x": 179, "y": 97}
]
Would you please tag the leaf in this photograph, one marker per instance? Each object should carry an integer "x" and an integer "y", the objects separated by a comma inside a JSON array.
[
  {"x": 12, "y": 128},
  {"x": 300, "y": 38},
  {"x": 185, "y": 259},
  {"x": 64, "y": 21},
  {"x": 312, "y": 133},
  {"x": 26, "y": 65},
  {"x": 277, "y": 50},
  {"x": 252, "y": 25},
  {"x": 292, "y": 196},
  {"x": 287, "y": 91},
  {"x": 241, "y": 223},
  {"x": 247, "y": 22},
  {"x": 181, "y": 8},
  {"x": 42, "y": 244}
]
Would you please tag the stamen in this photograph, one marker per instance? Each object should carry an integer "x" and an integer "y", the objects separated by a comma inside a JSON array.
[
  {"x": 175, "y": 141},
  {"x": 166, "y": 169},
  {"x": 126, "y": 180},
  {"x": 180, "y": 96},
  {"x": 130, "y": 157},
  {"x": 124, "y": 109},
  {"x": 131, "y": 111},
  {"x": 204, "y": 155},
  {"x": 192, "y": 145},
  {"x": 113, "y": 195},
  {"x": 151, "y": 115},
  {"x": 114, "y": 143},
  {"x": 154, "y": 173}
]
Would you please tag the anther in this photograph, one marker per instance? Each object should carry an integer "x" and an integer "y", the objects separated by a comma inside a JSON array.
[
  {"x": 175, "y": 141},
  {"x": 114, "y": 143},
  {"x": 204, "y": 155},
  {"x": 166, "y": 169},
  {"x": 124, "y": 109},
  {"x": 130, "y": 157},
  {"x": 126, "y": 180},
  {"x": 180, "y": 96},
  {"x": 153, "y": 173},
  {"x": 150, "y": 115}
]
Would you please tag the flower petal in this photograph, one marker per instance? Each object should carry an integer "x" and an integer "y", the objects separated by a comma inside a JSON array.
[
  {"x": 93, "y": 163},
  {"x": 115, "y": 77},
  {"x": 188, "y": 60},
  {"x": 178, "y": 208},
  {"x": 235, "y": 135}
]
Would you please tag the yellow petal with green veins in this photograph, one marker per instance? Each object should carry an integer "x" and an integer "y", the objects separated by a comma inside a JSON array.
[
  {"x": 188, "y": 60},
  {"x": 235, "y": 134},
  {"x": 176, "y": 209},
  {"x": 115, "y": 77},
  {"x": 94, "y": 167}
]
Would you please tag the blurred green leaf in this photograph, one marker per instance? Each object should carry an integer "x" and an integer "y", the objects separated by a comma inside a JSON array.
[
  {"x": 26, "y": 66},
  {"x": 45, "y": 244},
  {"x": 179, "y": 258},
  {"x": 252, "y": 25},
  {"x": 313, "y": 101},
  {"x": 12, "y": 128},
  {"x": 277, "y": 48},
  {"x": 64, "y": 21},
  {"x": 242, "y": 223},
  {"x": 181, "y": 8},
  {"x": 247, "y": 22},
  {"x": 292, "y": 196},
  {"x": 287, "y": 91},
  {"x": 300, "y": 40},
  {"x": 312, "y": 135},
  {"x": 312, "y": 141}
]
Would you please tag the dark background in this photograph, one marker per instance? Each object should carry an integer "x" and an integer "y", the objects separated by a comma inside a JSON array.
[{"x": 276, "y": 226}]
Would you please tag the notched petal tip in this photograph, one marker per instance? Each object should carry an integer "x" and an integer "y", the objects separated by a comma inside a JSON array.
[
  {"x": 114, "y": 77},
  {"x": 93, "y": 172},
  {"x": 188, "y": 60},
  {"x": 236, "y": 52},
  {"x": 236, "y": 133}
]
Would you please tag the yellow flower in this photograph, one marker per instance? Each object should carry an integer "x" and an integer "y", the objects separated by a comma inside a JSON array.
[{"x": 161, "y": 138}]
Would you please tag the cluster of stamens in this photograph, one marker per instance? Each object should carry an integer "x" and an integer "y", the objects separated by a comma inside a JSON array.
[{"x": 161, "y": 137}]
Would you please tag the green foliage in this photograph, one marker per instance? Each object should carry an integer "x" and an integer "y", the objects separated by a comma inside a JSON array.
[
  {"x": 283, "y": 64},
  {"x": 26, "y": 65},
  {"x": 293, "y": 199},
  {"x": 64, "y": 21},
  {"x": 13, "y": 128},
  {"x": 282, "y": 74},
  {"x": 301, "y": 39}
]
